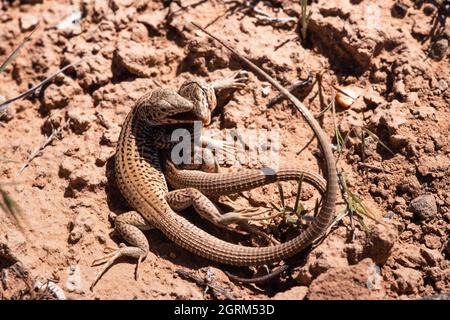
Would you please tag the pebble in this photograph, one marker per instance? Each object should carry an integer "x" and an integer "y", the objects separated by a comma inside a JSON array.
[
  {"x": 442, "y": 85},
  {"x": 432, "y": 241},
  {"x": 399, "y": 10},
  {"x": 295, "y": 293},
  {"x": 424, "y": 207},
  {"x": 407, "y": 280},
  {"x": 80, "y": 121},
  {"x": 438, "y": 49},
  {"x": 28, "y": 22},
  {"x": 400, "y": 89}
]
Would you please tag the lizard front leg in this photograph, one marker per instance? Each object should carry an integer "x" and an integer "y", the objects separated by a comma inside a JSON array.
[
  {"x": 236, "y": 80},
  {"x": 129, "y": 226}
]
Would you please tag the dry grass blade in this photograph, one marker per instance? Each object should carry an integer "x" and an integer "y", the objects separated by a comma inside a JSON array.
[
  {"x": 373, "y": 135},
  {"x": 280, "y": 190},
  {"x": 12, "y": 208},
  {"x": 8, "y": 204},
  {"x": 16, "y": 51},
  {"x": 37, "y": 152},
  {"x": 299, "y": 190},
  {"x": 6, "y": 103},
  {"x": 355, "y": 205},
  {"x": 305, "y": 16}
]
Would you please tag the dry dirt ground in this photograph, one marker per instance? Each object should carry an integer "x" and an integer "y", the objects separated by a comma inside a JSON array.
[{"x": 395, "y": 52}]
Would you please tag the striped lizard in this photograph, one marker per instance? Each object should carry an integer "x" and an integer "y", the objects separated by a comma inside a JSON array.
[{"x": 141, "y": 180}]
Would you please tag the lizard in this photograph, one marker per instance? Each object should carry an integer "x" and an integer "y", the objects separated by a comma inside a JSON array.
[{"x": 140, "y": 178}]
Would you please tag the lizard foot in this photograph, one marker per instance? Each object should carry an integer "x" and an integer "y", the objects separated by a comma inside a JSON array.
[
  {"x": 113, "y": 255},
  {"x": 236, "y": 80},
  {"x": 221, "y": 148}
]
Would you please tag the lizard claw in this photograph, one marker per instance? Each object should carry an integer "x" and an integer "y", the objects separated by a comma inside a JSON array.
[
  {"x": 115, "y": 254},
  {"x": 239, "y": 79}
]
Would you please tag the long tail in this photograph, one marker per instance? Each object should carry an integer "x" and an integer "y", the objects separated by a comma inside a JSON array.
[{"x": 220, "y": 184}]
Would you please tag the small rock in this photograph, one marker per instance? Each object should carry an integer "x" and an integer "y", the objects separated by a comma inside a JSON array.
[
  {"x": 390, "y": 116},
  {"x": 379, "y": 77},
  {"x": 410, "y": 256},
  {"x": 94, "y": 73},
  {"x": 360, "y": 281},
  {"x": 351, "y": 121},
  {"x": 265, "y": 90},
  {"x": 28, "y": 22},
  {"x": 79, "y": 179},
  {"x": 429, "y": 9},
  {"x": 407, "y": 280},
  {"x": 154, "y": 20},
  {"x": 442, "y": 85},
  {"x": 438, "y": 49},
  {"x": 399, "y": 10},
  {"x": 101, "y": 238},
  {"x": 424, "y": 207},
  {"x": 66, "y": 167},
  {"x": 295, "y": 293},
  {"x": 433, "y": 257},
  {"x": 302, "y": 276},
  {"x": 432, "y": 241},
  {"x": 80, "y": 120},
  {"x": 54, "y": 121},
  {"x": 346, "y": 96},
  {"x": 58, "y": 96},
  {"x": 400, "y": 89},
  {"x": 424, "y": 112},
  {"x": 110, "y": 136},
  {"x": 398, "y": 141},
  {"x": 233, "y": 114},
  {"x": 82, "y": 223},
  {"x": 138, "y": 58},
  {"x": 102, "y": 157},
  {"x": 139, "y": 33},
  {"x": 381, "y": 241},
  {"x": 372, "y": 98}
]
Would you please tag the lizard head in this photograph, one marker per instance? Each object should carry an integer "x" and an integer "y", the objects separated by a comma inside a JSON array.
[
  {"x": 202, "y": 95},
  {"x": 194, "y": 101}
]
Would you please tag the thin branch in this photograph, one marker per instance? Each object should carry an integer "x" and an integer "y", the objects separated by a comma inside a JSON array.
[
  {"x": 37, "y": 152},
  {"x": 205, "y": 283},
  {"x": 7, "y": 103},
  {"x": 372, "y": 167}
]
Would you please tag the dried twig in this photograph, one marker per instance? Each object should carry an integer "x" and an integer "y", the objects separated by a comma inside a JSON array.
[
  {"x": 205, "y": 283},
  {"x": 7, "y": 103},
  {"x": 37, "y": 152},
  {"x": 299, "y": 85},
  {"x": 372, "y": 167}
]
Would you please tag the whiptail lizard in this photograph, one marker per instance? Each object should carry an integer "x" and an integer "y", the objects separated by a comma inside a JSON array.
[{"x": 141, "y": 180}]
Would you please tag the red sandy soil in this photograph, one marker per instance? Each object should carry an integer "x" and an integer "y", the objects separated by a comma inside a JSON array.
[{"x": 396, "y": 53}]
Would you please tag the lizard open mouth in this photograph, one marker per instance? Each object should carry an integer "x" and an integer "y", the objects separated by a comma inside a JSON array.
[{"x": 186, "y": 117}]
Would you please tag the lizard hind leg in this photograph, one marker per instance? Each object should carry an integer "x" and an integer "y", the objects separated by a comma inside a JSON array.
[
  {"x": 181, "y": 199},
  {"x": 128, "y": 226}
]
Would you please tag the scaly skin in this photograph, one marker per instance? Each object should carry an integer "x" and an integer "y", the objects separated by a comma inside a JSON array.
[{"x": 141, "y": 181}]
